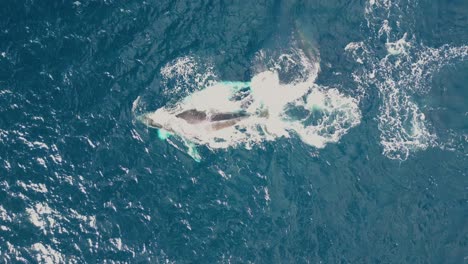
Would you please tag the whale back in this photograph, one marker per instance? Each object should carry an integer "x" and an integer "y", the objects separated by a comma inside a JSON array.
[
  {"x": 228, "y": 116},
  {"x": 193, "y": 116},
  {"x": 218, "y": 120}
]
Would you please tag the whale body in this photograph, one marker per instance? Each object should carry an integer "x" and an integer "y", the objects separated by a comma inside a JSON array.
[
  {"x": 214, "y": 120},
  {"x": 194, "y": 116}
]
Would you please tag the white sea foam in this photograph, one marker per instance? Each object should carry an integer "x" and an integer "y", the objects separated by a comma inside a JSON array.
[
  {"x": 271, "y": 103},
  {"x": 116, "y": 242},
  {"x": 184, "y": 74},
  {"x": 404, "y": 71},
  {"x": 4, "y": 215},
  {"x": 40, "y": 188},
  {"x": 398, "y": 47},
  {"x": 38, "y": 215},
  {"x": 46, "y": 254},
  {"x": 44, "y": 218},
  {"x": 42, "y": 162}
]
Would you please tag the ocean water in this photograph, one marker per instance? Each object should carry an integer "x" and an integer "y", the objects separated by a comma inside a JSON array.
[{"x": 362, "y": 157}]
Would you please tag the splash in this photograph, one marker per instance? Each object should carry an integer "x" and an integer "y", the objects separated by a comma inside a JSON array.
[{"x": 274, "y": 108}]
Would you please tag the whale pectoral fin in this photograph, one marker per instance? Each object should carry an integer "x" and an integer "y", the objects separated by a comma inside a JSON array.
[{"x": 192, "y": 150}]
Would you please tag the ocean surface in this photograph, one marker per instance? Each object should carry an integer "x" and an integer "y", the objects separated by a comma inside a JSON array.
[{"x": 359, "y": 153}]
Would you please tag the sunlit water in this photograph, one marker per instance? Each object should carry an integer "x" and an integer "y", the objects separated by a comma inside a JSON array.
[{"x": 354, "y": 149}]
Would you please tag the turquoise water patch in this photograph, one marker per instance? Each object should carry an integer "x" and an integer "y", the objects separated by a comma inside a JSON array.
[{"x": 164, "y": 134}]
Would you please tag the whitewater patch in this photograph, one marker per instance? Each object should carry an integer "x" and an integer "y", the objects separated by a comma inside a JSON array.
[
  {"x": 271, "y": 108},
  {"x": 400, "y": 75}
]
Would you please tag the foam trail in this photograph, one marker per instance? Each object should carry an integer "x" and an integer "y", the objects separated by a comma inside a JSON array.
[{"x": 400, "y": 74}]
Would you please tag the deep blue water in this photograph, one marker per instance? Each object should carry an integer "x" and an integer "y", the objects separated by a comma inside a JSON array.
[{"x": 81, "y": 181}]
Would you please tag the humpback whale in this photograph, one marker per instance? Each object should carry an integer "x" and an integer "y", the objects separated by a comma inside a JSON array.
[{"x": 192, "y": 124}]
